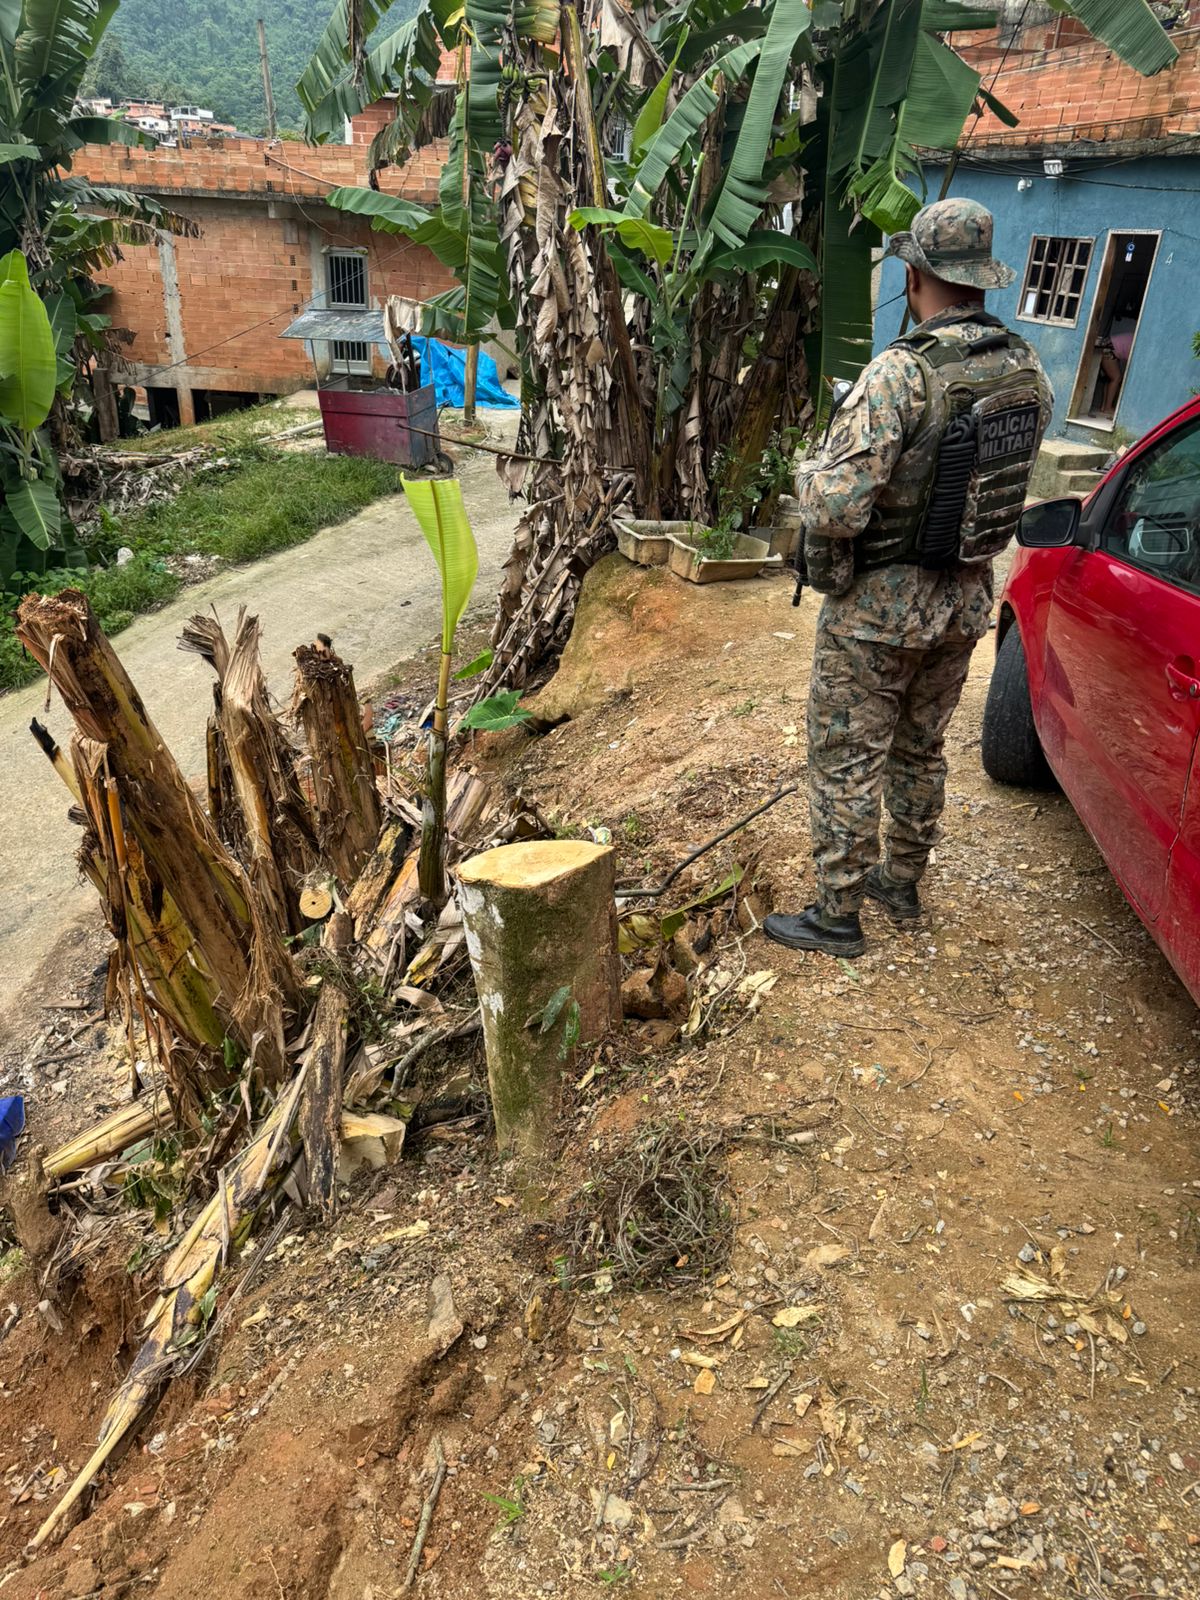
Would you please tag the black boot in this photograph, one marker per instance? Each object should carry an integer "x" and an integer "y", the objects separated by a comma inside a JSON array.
[
  {"x": 900, "y": 900},
  {"x": 814, "y": 930}
]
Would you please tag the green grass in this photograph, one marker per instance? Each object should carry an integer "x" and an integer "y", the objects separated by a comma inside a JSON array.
[
  {"x": 267, "y": 501},
  {"x": 233, "y": 431}
]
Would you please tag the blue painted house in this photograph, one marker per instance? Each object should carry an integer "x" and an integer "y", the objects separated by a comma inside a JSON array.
[{"x": 1096, "y": 195}]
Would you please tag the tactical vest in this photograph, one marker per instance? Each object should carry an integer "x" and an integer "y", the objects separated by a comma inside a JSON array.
[
  {"x": 957, "y": 492},
  {"x": 958, "y": 489}
]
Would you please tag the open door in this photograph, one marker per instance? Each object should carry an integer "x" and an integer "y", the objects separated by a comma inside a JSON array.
[{"x": 1112, "y": 328}]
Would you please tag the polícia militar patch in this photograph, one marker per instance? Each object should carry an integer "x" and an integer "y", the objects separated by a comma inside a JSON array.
[{"x": 1007, "y": 433}]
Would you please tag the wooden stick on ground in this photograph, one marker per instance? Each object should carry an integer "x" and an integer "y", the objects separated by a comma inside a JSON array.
[
  {"x": 628, "y": 892},
  {"x": 427, "y": 1510}
]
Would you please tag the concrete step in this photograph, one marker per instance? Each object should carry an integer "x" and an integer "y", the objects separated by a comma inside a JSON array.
[
  {"x": 1065, "y": 468},
  {"x": 1080, "y": 483},
  {"x": 1068, "y": 455}
]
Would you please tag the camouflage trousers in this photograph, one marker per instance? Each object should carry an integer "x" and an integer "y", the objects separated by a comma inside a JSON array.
[{"x": 877, "y": 718}]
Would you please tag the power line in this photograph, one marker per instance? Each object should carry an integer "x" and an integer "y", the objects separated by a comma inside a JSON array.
[
  {"x": 290, "y": 308},
  {"x": 284, "y": 311},
  {"x": 1005, "y": 170}
]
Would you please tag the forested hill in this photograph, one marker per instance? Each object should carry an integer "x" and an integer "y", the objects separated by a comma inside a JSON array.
[{"x": 205, "y": 52}]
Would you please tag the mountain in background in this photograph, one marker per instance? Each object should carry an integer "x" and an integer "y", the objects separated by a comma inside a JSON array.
[{"x": 205, "y": 52}]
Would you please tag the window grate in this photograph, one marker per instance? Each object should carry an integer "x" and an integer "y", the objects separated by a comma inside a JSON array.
[
  {"x": 346, "y": 279},
  {"x": 1055, "y": 279},
  {"x": 351, "y": 355}
]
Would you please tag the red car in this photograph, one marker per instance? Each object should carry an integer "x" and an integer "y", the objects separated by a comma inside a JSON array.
[{"x": 1097, "y": 680}]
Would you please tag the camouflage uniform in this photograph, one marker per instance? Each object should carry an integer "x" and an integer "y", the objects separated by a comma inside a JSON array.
[{"x": 892, "y": 651}]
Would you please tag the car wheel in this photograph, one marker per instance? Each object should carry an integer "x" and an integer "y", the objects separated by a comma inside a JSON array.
[{"x": 1012, "y": 752}]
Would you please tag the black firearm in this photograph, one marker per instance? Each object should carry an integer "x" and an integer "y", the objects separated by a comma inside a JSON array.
[{"x": 841, "y": 390}]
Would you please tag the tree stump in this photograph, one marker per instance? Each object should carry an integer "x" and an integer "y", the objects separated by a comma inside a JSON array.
[{"x": 540, "y": 921}]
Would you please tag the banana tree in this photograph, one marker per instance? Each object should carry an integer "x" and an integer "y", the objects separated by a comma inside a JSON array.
[
  {"x": 61, "y": 229},
  {"x": 438, "y": 506},
  {"x": 672, "y": 289},
  {"x": 30, "y": 359}
]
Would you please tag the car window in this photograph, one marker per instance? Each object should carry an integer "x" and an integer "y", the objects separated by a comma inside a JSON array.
[{"x": 1154, "y": 522}]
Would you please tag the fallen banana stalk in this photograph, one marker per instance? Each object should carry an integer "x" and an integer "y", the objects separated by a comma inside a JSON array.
[
  {"x": 125, "y": 1127},
  {"x": 184, "y": 1303}
]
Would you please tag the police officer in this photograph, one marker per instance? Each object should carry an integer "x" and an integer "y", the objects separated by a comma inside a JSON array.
[{"x": 919, "y": 485}]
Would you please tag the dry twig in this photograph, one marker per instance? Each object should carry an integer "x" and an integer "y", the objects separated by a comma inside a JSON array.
[{"x": 427, "y": 1510}]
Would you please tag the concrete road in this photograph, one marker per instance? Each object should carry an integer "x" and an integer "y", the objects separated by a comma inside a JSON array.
[{"x": 369, "y": 583}]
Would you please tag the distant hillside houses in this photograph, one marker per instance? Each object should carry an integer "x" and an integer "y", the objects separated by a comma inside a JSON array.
[{"x": 165, "y": 123}]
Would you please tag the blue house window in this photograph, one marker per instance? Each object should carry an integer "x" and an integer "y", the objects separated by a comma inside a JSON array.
[{"x": 1055, "y": 278}]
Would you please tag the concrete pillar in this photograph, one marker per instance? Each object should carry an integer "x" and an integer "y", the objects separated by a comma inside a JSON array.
[{"x": 173, "y": 317}]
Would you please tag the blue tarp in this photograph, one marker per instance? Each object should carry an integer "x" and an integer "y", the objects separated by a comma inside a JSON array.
[
  {"x": 445, "y": 365},
  {"x": 12, "y": 1126}
]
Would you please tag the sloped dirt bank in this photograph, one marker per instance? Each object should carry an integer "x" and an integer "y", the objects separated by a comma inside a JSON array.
[{"x": 956, "y": 1326}]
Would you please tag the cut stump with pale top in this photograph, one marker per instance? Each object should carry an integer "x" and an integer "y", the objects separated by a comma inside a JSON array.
[{"x": 540, "y": 919}]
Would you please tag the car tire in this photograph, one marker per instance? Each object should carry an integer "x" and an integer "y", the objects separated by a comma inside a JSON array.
[{"x": 1012, "y": 752}]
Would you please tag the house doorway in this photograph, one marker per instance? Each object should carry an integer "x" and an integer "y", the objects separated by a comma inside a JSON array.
[{"x": 1112, "y": 328}]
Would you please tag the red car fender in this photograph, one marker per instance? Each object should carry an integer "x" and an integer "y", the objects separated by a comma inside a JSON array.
[{"x": 1025, "y": 605}]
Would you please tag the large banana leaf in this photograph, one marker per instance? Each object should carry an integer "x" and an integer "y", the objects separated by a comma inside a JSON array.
[
  {"x": 1128, "y": 27},
  {"x": 10, "y": 22},
  {"x": 54, "y": 36},
  {"x": 79, "y": 131},
  {"x": 654, "y": 107},
  {"x": 742, "y": 194},
  {"x": 707, "y": 24},
  {"x": 404, "y": 63},
  {"x": 485, "y": 22},
  {"x": 900, "y": 88},
  {"x": 437, "y": 504},
  {"x": 35, "y": 508},
  {"x": 55, "y": 43},
  {"x": 684, "y": 124},
  {"x": 139, "y": 209},
  {"x": 336, "y": 50},
  {"x": 391, "y": 213},
  {"x": 28, "y": 362},
  {"x": 764, "y": 247},
  {"x": 634, "y": 232},
  {"x": 467, "y": 241},
  {"x": 843, "y": 346}
]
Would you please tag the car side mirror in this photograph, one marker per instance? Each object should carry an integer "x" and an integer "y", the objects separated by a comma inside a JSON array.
[{"x": 1049, "y": 526}]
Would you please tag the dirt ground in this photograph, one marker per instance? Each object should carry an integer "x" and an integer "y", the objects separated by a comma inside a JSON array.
[{"x": 952, "y": 1351}]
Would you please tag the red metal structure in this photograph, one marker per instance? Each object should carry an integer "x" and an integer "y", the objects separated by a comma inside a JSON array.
[
  {"x": 1097, "y": 676},
  {"x": 385, "y": 423}
]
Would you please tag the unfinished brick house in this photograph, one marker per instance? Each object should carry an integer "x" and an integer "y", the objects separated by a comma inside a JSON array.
[
  {"x": 206, "y": 314},
  {"x": 1096, "y": 194}
]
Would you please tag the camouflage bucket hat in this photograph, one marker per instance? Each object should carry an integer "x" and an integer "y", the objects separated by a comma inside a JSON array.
[{"x": 952, "y": 239}]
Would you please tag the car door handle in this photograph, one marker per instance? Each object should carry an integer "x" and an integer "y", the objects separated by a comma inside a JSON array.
[{"x": 1181, "y": 681}]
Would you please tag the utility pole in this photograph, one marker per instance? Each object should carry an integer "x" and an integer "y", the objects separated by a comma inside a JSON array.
[{"x": 266, "y": 72}]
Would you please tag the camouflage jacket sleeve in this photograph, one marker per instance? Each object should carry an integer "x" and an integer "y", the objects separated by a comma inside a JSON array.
[{"x": 837, "y": 488}]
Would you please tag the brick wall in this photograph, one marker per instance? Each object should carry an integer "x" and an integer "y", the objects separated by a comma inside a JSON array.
[
  {"x": 1066, "y": 87},
  {"x": 253, "y": 167},
  {"x": 206, "y": 313}
]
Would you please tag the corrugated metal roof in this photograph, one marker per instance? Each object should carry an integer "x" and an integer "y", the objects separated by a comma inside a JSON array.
[{"x": 363, "y": 327}]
